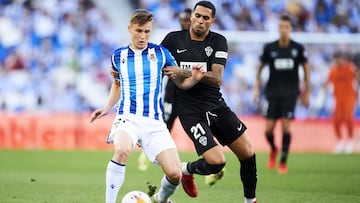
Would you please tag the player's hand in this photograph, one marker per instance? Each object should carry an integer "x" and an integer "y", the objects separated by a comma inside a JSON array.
[
  {"x": 97, "y": 114},
  {"x": 256, "y": 95},
  {"x": 197, "y": 72},
  {"x": 305, "y": 98},
  {"x": 175, "y": 72}
]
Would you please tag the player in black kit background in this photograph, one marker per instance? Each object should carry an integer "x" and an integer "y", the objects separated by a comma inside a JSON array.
[
  {"x": 283, "y": 56},
  {"x": 169, "y": 106},
  {"x": 202, "y": 110}
]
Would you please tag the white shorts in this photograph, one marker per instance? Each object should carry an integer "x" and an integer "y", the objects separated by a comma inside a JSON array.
[{"x": 152, "y": 135}]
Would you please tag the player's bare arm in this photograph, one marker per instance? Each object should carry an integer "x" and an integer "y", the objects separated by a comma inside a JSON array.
[
  {"x": 214, "y": 77},
  {"x": 114, "y": 96},
  {"x": 257, "y": 85},
  {"x": 305, "y": 98},
  {"x": 175, "y": 72},
  {"x": 197, "y": 73}
]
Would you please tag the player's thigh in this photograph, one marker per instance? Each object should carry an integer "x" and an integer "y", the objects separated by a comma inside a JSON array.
[
  {"x": 170, "y": 163},
  {"x": 273, "y": 110},
  {"x": 242, "y": 147},
  {"x": 227, "y": 126},
  {"x": 197, "y": 129},
  {"x": 287, "y": 107},
  {"x": 123, "y": 132},
  {"x": 156, "y": 140}
]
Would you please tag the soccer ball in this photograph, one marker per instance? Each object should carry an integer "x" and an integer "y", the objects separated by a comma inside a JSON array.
[{"x": 136, "y": 197}]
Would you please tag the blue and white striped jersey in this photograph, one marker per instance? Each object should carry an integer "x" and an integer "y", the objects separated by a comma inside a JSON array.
[{"x": 140, "y": 75}]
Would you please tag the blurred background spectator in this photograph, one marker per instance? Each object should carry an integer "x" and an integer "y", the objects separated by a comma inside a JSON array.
[{"x": 54, "y": 54}]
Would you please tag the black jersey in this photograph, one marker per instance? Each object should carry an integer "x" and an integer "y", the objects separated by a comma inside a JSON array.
[
  {"x": 213, "y": 50},
  {"x": 284, "y": 65}
]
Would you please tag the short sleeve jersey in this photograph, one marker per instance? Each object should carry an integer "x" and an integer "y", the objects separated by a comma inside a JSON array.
[
  {"x": 343, "y": 78},
  {"x": 213, "y": 50},
  {"x": 140, "y": 76},
  {"x": 284, "y": 65}
]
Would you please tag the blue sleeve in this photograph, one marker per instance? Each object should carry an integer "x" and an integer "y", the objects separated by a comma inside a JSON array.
[
  {"x": 170, "y": 60},
  {"x": 114, "y": 61}
]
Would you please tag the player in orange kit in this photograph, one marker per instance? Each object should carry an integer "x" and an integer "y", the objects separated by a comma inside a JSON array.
[{"x": 343, "y": 77}]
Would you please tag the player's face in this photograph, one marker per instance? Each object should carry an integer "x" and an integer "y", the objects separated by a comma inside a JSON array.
[
  {"x": 339, "y": 61},
  {"x": 201, "y": 21},
  {"x": 284, "y": 29},
  {"x": 140, "y": 35}
]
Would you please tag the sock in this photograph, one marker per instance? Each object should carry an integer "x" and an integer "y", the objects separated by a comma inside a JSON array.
[
  {"x": 270, "y": 139},
  {"x": 166, "y": 189},
  {"x": 285, "y": 147},
  {"x": 115, "y": 175},
  {"x": 250, "y": 200},
  {"x": 201, "y": 167},
  {"x": 248, "y": 175}
]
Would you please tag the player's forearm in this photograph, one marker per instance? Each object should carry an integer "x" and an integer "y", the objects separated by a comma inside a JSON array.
[
  {"x": 214, "y": 77},
  {"x": 307, "y": 77},
  {"x": 186, "y": 83},
  {"x": 257, "y": 84},
  {"x": 114, "y": 96},
  {"x": 211, "y": 79}
]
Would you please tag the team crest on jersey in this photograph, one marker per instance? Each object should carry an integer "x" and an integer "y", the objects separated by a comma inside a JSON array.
[
  {"x": 273, "y": 54},
  {"x": 152, "y": 57},
  {"x": 123, "y": 60},
  {"x": 208, "y": 51},
  {"x": 294, "y": 53}
]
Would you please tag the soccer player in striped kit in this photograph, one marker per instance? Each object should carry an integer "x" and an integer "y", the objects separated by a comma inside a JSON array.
[{"x": 137, "y": 70}]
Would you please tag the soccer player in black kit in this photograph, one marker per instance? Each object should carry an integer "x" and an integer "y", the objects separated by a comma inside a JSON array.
[
  {"x": 202, "y": 110},
  {"x": 169, "y": 106},
  {"x": 284, "y": 56}
]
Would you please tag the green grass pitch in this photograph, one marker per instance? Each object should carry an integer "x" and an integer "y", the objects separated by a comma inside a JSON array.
[{"x": 78, "y": 177}]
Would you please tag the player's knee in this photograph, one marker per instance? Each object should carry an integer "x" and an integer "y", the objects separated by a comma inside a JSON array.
[
  {"x": 174, "y": 175},
  {"x": 121, "y": 154},
  {"x": 215, "y": 168}
]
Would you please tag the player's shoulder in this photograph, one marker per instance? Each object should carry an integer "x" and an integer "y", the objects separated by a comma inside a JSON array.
[
  {"x": 216, "y": 36},
  {"x": 272, "y": 44},
  {"x": 176, "y": 34},
  {"x": 296, "y": 44},
  {"x": 120, "y": 49}
]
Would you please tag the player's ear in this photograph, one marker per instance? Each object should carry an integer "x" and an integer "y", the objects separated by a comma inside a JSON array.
[{"x": 213, "y": 21}]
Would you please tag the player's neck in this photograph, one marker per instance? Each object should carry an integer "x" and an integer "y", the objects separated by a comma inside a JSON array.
[
  {"x": 196, "y": 37},
  {"x": 284, "y": 42}
]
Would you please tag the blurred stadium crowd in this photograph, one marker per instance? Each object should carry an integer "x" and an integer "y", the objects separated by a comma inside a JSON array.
[{"x": 54, "y": 54}]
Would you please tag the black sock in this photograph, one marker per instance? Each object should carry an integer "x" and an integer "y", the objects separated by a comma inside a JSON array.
[
  {"x": 285, "y": 147},
  {"x": 201, "y": 167},
  {"x": 198, "y": 167},
  {"x": 270, "y": 139},
  {"x": 248, "y": 175}
]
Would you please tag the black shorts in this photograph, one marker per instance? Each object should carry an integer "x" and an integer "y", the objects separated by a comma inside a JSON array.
[
  {"x": 221, "y": 123},
  {"x": 281, "y": 108}
]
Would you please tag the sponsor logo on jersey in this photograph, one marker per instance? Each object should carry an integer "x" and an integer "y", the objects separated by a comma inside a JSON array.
[
  {"x": 221, "y": 54},
  {"x": 284, "y": 64},
  {"x": 208, "y": 51},
  {"x": 179, "y": 51},
  {"x": 187, "y": 65}
]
